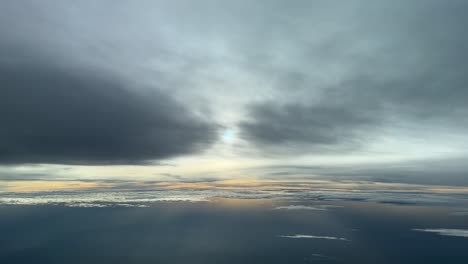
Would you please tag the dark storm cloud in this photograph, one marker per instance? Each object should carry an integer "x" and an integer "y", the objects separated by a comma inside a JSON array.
[
  {"x": 64, "y": 114},
  {"x": 63, "y": 101},
  {"x": 318, "y": 125},
  {"x": 410, "y": 68}
]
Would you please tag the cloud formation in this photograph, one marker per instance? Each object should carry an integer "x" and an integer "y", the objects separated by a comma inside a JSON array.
[
  {"x": 316, "y": 126},
  {"x": 321, "y": 207},
  {"x": 460, "y": 213},
  {"x": 404, "y": 70},
  {"x": 445, "y": 232},
  {"x": 309, "y": 82},
  {"x": 299, "y": 236},
  {"x": 53, "y": 113}
]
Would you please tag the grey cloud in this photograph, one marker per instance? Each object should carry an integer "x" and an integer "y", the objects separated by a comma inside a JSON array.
[
  {"x": 316, "y": 76},
  {"x": 431, "y": 171},
  {"x": 318, "y": 126},
  {"x": 460, "y": 213},
  {"x": 63, "y": 114},
  {"x": 402, "y": 63},
  {"x": 71, "y": 91}
]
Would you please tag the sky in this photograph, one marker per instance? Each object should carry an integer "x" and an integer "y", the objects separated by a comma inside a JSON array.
[{"x": 100, "y": 92}]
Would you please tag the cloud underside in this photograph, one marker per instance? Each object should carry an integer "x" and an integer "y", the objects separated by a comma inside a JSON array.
[
  {"x": 436, "y": 105},
  {"x": 318, "y": 127},
  {"x": 68, "y": 115},
  {"x": 403, "y": 68}
]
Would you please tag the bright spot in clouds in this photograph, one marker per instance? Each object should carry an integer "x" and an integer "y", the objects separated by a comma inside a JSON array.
[{"x": 228, "y": 136}]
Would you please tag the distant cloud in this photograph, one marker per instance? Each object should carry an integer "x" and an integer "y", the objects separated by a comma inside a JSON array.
[
  {"x": 300, "y": 236},
  {"x": 460, "y": 213},
  {"x": 445, "y": 232},
  {"x": 101, "y": 198},
  {"x": 321, "y": 256},
  {"x": 416, "y": 171},
  {"x": 323, "y": 207},
  {"x": 56, "y": 192}
]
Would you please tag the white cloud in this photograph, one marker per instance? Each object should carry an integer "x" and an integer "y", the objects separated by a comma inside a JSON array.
[
  {"x": 445, "y": 232},
  {"x": 298, "y": 236},
  {"x": 100, "y": 199}
]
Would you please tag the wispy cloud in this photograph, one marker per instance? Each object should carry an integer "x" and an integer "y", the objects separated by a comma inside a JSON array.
[
  {"x": 146, "y": 193},
  {"x": 101, "y": 199},
  {"x": 445, "y": 232},
  {"x": 322, "y": 207},
  {"x": 323, "y": 257},
  {"x": 299, "y": 236},
  {"x": 460, "y": 213}
]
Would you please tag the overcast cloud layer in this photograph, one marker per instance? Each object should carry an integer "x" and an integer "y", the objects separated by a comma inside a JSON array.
[
  {"x": 402, "y": 63},
  {"x": 123, "y": 82}
]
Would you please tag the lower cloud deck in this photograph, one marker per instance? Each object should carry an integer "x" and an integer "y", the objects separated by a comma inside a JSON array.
[{"x": 233, "y": 230}]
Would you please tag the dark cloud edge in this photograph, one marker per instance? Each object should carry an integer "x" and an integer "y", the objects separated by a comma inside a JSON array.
[{"x": 55, "y": 112}]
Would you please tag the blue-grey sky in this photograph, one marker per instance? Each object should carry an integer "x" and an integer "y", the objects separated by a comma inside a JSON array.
[{"x": 206, "y": 90}]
